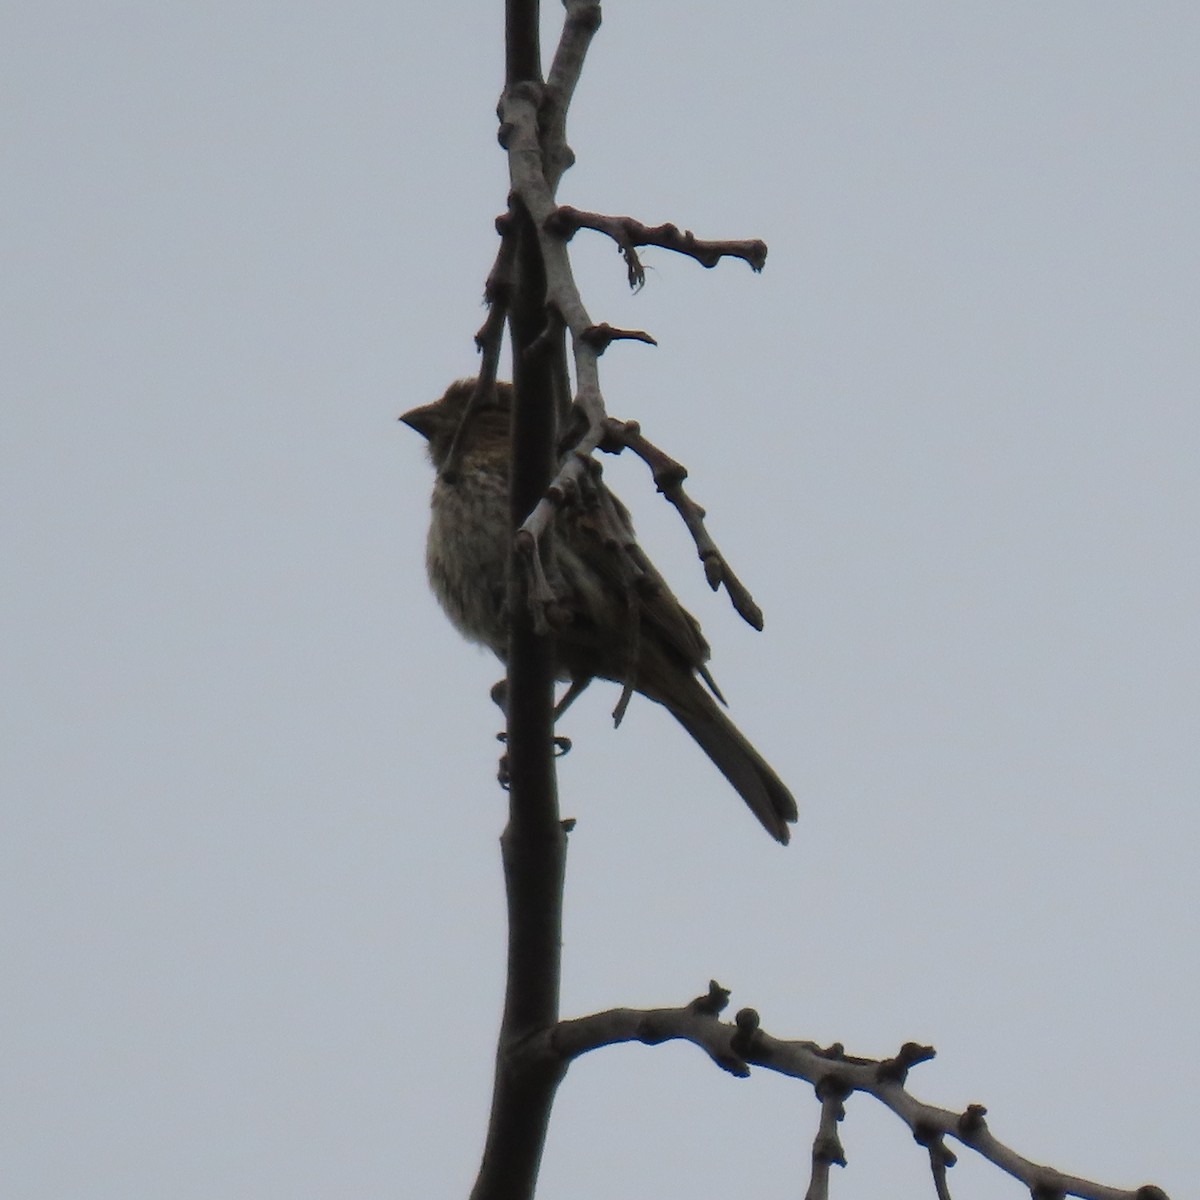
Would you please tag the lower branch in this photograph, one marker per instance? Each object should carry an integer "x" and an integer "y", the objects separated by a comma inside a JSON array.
[{"x": 738, "y": 1045}]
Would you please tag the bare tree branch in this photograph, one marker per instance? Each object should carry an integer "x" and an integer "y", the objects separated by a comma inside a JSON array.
[
  {"x": 827, "y": 1146},
  {"x": 629, "y": 233},
  {"x": 497, "y": 293},
  {"x": 603, "y": 335},
  {"x": 583, "y": 19},
  {"x": 522, "y": 45},
  {"x": 533, "y": 290},
  {"x": 668, "y": 477},
  {"x": 695, "y": 1022},
  {"x": 519, "y": 135},
  {"x": 834, "y": 1075},
  {"x": 885, "y": 1080},
  {"x": 534, "y": 841}
]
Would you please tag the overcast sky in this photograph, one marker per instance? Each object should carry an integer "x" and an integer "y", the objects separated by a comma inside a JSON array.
[{"x": 252, "y": 911}]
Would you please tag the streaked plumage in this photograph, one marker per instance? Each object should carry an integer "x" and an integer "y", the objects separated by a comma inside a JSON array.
[{"x": 611, "y": 628}]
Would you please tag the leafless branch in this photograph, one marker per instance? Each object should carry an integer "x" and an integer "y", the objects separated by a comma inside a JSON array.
[
  {"x": 519, "y": 135},
  {"x": 497, "y": 294},
  {"x": 885, "y": 1080},
  {"x": 668, "y": 477},
  {"x": 519, "y": 109},
  {"x": 629, "y": 233},
  {"x": 603, "y": 335},
  {"x": 583, "y": 19},
  {"x": 533, "y": 844},
  {"x": 695, "y": 1022},
  {"x": 827, "y": 1146},
  {"x": 741, "y": 1044},
  {"x": 533, "y": 289}
]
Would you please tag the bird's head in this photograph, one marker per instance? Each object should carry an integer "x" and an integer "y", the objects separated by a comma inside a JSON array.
[{"x": 439, "y": 421}]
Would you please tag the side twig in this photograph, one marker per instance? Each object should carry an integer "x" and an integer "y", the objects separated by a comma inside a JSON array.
[
  {"x": 827, "y": 1146},
  {"x": 583, "y": 19},
  {"x": 668, "y": 477},
  {"x": 629, "y": 233},
  {"x": 497, "y": 294}
]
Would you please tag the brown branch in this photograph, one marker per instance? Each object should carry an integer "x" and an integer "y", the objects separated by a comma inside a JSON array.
[
  {"x": 628, "y": 233},
  {"x": 696, "y": 1023},
  {"x": 497, "y": 294},
  {"x": 519, "y": 109},
  {"x": 522, "y": 48},
  {"x": 547, "y": 612},
  {"x": 668, "y": 477},
  {"x": 827, "y": 1146},
  {"x": 941, "y": 1158},
  {"x": 533, "y": 844},
  {"x": 885, "y": 1081},
  {"x": 603, "y": 335},
  {"x": 519, "y": 134},
  {"x": 583, "y": 19},
  {"x": 738, "y": 1045}
]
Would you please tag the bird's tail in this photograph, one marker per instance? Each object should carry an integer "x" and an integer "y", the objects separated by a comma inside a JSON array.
[{"x": 765, "y": 793}]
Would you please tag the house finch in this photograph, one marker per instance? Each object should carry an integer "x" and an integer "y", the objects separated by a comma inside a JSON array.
[{"x": 605, "y": 627}]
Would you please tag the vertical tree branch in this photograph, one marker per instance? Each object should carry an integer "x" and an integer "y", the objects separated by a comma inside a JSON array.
[
  {"x": 522, "y": 49},
  {"x": 534, "y": 842}
]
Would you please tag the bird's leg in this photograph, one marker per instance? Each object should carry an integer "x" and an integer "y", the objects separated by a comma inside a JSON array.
[{"x": 577, "y": 688}]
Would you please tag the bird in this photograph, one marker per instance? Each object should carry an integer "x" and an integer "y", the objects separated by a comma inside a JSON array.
[{"x": 634, "y": 633}]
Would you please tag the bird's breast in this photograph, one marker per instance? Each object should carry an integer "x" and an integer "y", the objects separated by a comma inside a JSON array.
[{"x": 466, "y": 556}]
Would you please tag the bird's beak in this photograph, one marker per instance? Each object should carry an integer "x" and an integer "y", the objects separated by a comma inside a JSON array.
[{"x": 423, "y": 419}]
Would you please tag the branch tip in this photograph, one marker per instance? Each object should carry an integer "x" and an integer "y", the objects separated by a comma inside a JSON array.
[
  {"x": 713, "y": 1002},
  {"x": 971, "y": 1123},
  {"x": 895, "y": 1070},
  {"x": 629, "y": 233},
  {"x": 601, "y": 336},
  {"x": 586, "y": 15}
]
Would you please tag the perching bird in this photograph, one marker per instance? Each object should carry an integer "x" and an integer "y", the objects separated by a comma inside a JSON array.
[{"x": 605, "y": 628}]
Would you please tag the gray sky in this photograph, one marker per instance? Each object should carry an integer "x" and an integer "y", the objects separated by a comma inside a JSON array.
[{"x": 252, "y": 913}]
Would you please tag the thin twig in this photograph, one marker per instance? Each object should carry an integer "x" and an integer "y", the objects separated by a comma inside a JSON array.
[
  {"x": 628, "y": 232},
  {"x": 668, "y": 477},
  {"x": 583, "y": 19},
  {"x": 603, "y": 335},
  {"x": 938, "y": 1164},
  {"x": 497, "y": 295},
  {"x": 827, "y": 1146}
]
